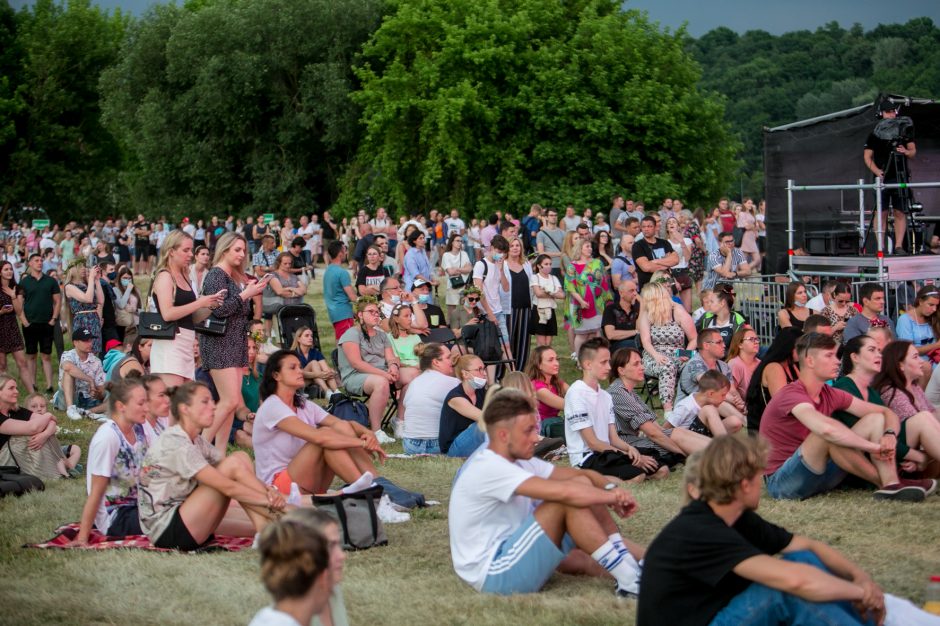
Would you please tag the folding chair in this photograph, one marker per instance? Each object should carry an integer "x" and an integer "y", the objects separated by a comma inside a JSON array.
[
  {"x": 390, "y": 411},
  {"x": 499, "y": 363},
  {"x": 440, "y": 335},
  {"x": 650, "y": 389}
]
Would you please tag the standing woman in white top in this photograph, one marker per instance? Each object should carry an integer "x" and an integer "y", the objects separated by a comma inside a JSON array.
[
  {"x": 548, "y": 292},
  {"x": 683, "y": 246},
  {"x": 474, "y": 241},
  {"x": 761, "y": 217},
  {"x": 425, "y": 397},
  {"x": 175, "y": 300},
  {"x": 455, "y": 264},
  {"x": 200, "y": 267}
]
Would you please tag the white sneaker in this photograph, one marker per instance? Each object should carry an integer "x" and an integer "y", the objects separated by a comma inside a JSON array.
[
  {"x": 74, "y": 413},
  {"x": 98, "y": 417},
  {"x": 388, "y": 514},
  {"x": 383, "y": 438}
]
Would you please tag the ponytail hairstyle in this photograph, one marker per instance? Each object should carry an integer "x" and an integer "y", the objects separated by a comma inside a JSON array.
[
  {"x": 268, "y": 386},
  {"x": 120, "y": 391},
  {"x": 183, "y": 394},
  {"x": 294, "y": 553}
]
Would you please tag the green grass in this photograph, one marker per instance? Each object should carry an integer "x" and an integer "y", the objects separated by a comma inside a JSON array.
[{"x": 411, "y": 580}]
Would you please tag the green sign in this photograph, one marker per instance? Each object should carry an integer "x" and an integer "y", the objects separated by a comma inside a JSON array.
[
  {"x": 40, "y": 223},
  {"x": 268, "y": 218}
]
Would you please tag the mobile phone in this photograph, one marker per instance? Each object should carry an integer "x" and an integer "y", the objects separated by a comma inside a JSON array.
[
  {"x": 224, "y": 293},
  {"x": 680, "y": 353}
]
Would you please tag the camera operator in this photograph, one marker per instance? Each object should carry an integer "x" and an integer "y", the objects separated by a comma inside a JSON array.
[{"x": 887, "y": 138}]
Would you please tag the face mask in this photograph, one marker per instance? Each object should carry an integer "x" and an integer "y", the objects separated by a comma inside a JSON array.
[
  {"x": 478, "y": 383},
  {"x": 396, "y": 299},
  {"x": 424, "y": 298},
  {"x": 497, "y": 257},
  {"x": 799, "y": 304},
  {"x": 112, "y": 275},
  {"x": 125, "y": 281}
]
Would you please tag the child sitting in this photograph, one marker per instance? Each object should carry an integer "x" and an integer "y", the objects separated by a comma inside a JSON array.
[
  {"x": 67, "y": 457},
  {"x": 698, "y": 412},
  {"x": 313, "y": 362}
]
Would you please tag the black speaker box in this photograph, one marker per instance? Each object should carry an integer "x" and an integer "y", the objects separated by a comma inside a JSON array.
[{"x": 831, "y": 242}]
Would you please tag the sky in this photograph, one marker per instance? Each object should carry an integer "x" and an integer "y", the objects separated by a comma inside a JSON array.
[{"x": 774, "y": 16}]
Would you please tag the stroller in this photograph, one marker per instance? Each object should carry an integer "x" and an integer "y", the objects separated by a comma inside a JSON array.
[{"x": 290, "y": 317}]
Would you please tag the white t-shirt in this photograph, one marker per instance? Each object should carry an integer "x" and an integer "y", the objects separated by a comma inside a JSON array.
[
  {"x": 269, "y": 616},
  {"x": 455, "y": 225},
  {"x": 816, "y": 303},
  {"x": 485, "y": 510},
  {"x": 586, "y": 408},
  {"x": 490, "y": 283},
  {"x": 274, "y": 448},
  {"x": 683, "y": 261},
  {"x": 684, "y": 412},
  {"x": 111, "y": 455},
  {"x": 423, "y": 402},
  {"x": 307, "y": 230}
]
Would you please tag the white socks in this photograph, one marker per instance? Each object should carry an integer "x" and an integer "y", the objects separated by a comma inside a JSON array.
[
  {"x": 621, "y": 565},
  {"x": 363, "y": 482}
]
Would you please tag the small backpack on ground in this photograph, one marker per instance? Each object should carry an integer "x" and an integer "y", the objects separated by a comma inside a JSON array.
[{"x": 349, "y": 409}]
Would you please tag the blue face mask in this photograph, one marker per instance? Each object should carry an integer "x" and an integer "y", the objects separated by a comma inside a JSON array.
[
  {"x": 497, "y": 257},
  {"x": 424, "y": 298},
  {"x": 125, "y": 281},
  {"x": 396, "y": 299},
  {"x": 112, "y": 275}
]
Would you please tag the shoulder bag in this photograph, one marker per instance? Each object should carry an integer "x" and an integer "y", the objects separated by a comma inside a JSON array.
[
  {"x": 151, "y": 324},
  {"x": 357, "y": 516},
  {"x": 14, "y": 482}
]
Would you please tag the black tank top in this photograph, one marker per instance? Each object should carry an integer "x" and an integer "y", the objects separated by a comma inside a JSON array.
[{"x": 181, "y": 297}]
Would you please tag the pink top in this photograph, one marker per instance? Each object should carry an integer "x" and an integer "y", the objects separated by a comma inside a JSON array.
[
  {"x": 898, "y": 401},
  {"x": 545, "y": 411},
  {"x": 741, "y": 374}
]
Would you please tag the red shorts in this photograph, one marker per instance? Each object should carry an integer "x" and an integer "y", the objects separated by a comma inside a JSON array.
[
  {"x": 342, "y": 326},
  {"x": 282, "y": 482}
]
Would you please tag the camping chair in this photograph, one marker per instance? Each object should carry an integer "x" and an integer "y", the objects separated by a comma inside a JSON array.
[
  {"x": 504, "y": 360},
  {"x": 290, "y": 317},
  {"x": 650, "y": 390},
  {"x": 390, "y": 411},
  {"x": 440, "y": 335}
]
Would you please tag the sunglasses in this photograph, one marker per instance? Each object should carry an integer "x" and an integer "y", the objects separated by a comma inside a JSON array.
[{"x": 473, "y": 299}]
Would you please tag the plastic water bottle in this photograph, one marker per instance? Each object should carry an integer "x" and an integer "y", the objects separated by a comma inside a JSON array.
[
  {"x": 294, "y": 497},
  {"x": 932, "y": 596}
]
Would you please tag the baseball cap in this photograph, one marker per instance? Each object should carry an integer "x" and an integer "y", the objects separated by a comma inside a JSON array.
[
  {"x": 82, "y": 334},
  {"x": 112, "y": 344},
  {"x": 887, "y": 105},
  {"x": 419, "y": 283}
]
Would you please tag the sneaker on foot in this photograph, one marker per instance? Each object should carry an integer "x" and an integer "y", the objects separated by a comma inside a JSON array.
[
  {"x": 98, "y": 417},
  {"x": 383, "y": 438},
  {"x": 901, "y": 493},
  {"x": 929, "y": 485},
  {"x": 74, "y": 413},
  {"x": 626, "y": 593},
  {"x": 388, "y": 514}
]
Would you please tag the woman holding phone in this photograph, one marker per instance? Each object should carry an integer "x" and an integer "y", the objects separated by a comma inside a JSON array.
[
  {"x": 226, "y": 356},
  {"x": 11, "y": 339}
]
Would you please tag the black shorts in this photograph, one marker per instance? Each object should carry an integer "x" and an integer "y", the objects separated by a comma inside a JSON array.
[
  {"x": 126, "y": 522},
  {"x": 669, "y": 459},
  {"x": 38, "y": 335},
  {"x": 141, "y": 251},
  {"x": 698, "y": 426},
  {"x": 177, "y": 537},
  {"x": 612, "y": 463}
]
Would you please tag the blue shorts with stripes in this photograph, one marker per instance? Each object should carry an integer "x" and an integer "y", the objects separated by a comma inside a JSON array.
[{"x": 525, "y": 560}]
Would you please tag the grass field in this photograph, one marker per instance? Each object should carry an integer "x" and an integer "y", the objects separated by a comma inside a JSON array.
[{"x": 410, "y": 581}]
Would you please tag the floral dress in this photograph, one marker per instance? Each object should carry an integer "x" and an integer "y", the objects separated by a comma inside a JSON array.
[
  {"x": 666, "y": 339},
  {"x": 85, "y": 315},
  {"x": 697, "y": 260},
  {"x": 11, "y": 339},
  {"x": 850, "y": 312},
  {"x": 591, "y": 282}
]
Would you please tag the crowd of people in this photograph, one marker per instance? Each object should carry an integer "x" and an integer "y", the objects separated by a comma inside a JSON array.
[{"x": 433, "y": 319}]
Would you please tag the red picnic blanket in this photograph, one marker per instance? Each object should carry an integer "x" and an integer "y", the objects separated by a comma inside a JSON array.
[{"x": 65, "y": 534}]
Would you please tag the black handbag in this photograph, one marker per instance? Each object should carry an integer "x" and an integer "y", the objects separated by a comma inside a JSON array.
[
  {"x": 14, "y": 482},
  {"x": 357, "y": 517},
  {"x": 212, "y": 325},
  {"x": 457, "y": 281},
  {"x": 153, "y": 326}
]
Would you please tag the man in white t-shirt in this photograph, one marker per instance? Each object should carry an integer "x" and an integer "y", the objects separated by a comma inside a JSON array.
[
  {"x": 591, "y": 426},
  {"x": 489, "y": 276},
  {"x": 515, "y": 519},
  {"x": 455, "y": 225}
]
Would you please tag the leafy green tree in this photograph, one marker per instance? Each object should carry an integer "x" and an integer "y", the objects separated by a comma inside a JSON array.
[
  {"x": 485, "y": 104},
  {"x": 55, "y": 152},
  {"x": 238, "y": 105}
]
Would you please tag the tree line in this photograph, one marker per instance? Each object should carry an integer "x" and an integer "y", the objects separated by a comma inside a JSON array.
[{"x": 282, "y": 106}]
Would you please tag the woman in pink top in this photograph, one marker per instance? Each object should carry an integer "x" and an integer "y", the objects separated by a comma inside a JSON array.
[
  {"x": 742, "y": 358},
  {"x": 542, "y": 369},
  {"x": 897, "y": 381}
]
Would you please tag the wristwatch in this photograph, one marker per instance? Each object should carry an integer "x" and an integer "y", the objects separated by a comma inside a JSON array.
[
  {"x": 891, "y": 432},
  {"x": 610, "y": 486}
]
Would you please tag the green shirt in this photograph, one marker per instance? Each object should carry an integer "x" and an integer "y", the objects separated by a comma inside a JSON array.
[
  {"x": 848, "y": 385},
  {"x": 37, "y": 297}
]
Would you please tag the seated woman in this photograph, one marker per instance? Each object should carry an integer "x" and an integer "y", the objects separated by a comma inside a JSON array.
[
  {"x": 862, "y": 364},
  {"x": 840, "y": 309},
  {"x": 742, "y": 359},
  {"x": 794, "y": 311},
  {"x": 664, "y": 328},
  {"x": 189, "y": 487},
  {"x": 244, "y": 422},
  {"x": 542, "y": 369},
  {"x": 917, "y": 326},
  {"x": 460, "y": 429},
  {"x": 301, "y": 564},
  {"x": 368, "y": 365},
  {"x": 778, "y": 368},
  {"x": 158, "y": 405},
  {"x": 27, "y": 435},
  {"x": 314, "y": 363},
  {"x": 115, "y": 458},
  {"x": 470, "y": 310},
  {"x": 135, "y": 357},
  {"x": 425, "y": 398},
  {"x": 721, "y": 314},
  {"x": 897, "y": 380},
  {"x": 404, "y": 339}
]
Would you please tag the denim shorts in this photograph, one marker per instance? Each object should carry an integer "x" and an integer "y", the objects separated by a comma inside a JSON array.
[
  {"x": 420, "y": 446},
  {"x": 525, "y": 560},
  {"x": 794, "y": 480},
  {"x": 467, "y": 442}
]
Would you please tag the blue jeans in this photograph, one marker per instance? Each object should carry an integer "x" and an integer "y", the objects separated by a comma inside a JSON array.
[
  {"x": 466, "y": 442},
  {"x": 795, "y": 480},
  {"x": 420, "y": 446},
  {"x": 762, "y": 606}
]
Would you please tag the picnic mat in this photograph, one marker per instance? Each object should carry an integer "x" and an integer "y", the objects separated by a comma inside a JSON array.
[{"x": 96, "y": 541}]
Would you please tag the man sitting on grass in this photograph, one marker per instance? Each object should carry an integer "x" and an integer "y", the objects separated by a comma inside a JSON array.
[
  {"x": 701, "y": 411},
  {"x": 515, "y": 519},
  {"x": 81, "y": 380},
  {"x": 812, "y": 453},
  {"x": 710, "y": 349},
  {"x": 714, "y": 563},
  {"x": 591, "y": 425}
]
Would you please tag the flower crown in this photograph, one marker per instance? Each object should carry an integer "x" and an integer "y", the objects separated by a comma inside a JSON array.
[{"x": 365, "y": 301}]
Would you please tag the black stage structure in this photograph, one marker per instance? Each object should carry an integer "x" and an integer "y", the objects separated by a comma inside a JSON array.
[{"x": 827, "y": 150}]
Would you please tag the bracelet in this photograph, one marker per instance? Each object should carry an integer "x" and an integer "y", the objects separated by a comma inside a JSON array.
[{"x": 891, "y": 432}]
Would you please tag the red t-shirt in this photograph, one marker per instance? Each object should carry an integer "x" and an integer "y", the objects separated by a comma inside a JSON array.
[
  {"x": 783, "y": 431},
  {"x": 727, "y": 221}
]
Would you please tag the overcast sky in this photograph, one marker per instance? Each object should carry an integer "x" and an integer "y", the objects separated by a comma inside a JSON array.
[{"x": 775, "y": 16}]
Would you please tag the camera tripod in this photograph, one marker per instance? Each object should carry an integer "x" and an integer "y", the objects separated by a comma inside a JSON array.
[{"x": 897, "y": 165}]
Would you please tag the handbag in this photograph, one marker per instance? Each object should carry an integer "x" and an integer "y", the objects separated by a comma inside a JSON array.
[
  {"x": 152, "y": 325},
  {"x": 357, "y": 517},
  {"x": 212, "y": 325},
  {"x": 14, "y": 481},
  {"x": 123, "y": 318},
  {"x": 457, "y": 281}
]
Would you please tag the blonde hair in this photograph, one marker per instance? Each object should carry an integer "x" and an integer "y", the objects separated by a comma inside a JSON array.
[
  {"x": 223, "y": 245},
  {"x": 173, "y": 241},
  {"x": 725, "y": 462},
  {"x": 522, "y": 258},
  {"x": 568, "y": 245},
  {"x": 396, "y": 329},
  {"x": 463, "y": 364},
  {"x": 514, "y": 385},
  {"x": 657, "y": 303},
  {"x": 295, "y": 346},
  {"x": 518, "y": 380}
]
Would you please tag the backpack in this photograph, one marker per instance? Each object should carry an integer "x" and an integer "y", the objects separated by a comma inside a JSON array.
[
  {"x": 483, "y": 338},
  {"x": 348, "y": 409}
]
